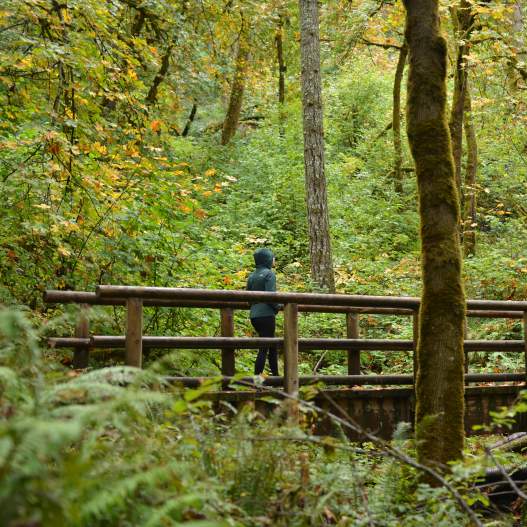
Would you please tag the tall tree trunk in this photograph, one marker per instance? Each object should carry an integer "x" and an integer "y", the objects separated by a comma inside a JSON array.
[
  {"x": 190, "y": 119},
  {"x": 517, "y": 25},
  {"x": 456, "y": 115},
  {"x": 518, "y": 54},
  {"x": 396, "y": 121},
  {"x": 469, "y": 238},
  {"x": 316, "y": 194},
  {"x": 232, "y": 117},
  {"x": 279, "y": 40},
  {"x": 151, "y": 97},
  {"x": 440, "y": 383},
  {"x": 462, "y": 18}
]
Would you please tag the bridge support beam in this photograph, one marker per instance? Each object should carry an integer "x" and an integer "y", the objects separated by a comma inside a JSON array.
[
  {"x": 415, "y": 322},
  {"x": 291, "y": 356},
  {"x": 82, "y": 330},
  {"x": 228, "y": 364},
  {"x": 352, "y": 332},
  {"x": 525, "y": 341},
  {"x": 465, "y": 337},
  {"x": 134, "y": 332}
]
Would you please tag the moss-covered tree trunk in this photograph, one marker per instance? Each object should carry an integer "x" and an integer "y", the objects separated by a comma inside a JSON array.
[
  {"x": 396, "y": 121},
  {"x": 470, "y": 220},
  {"x": 462, "y": 19},
  {"x": 232, "y": 117},
  {"x": 440, "y": 383},
  {"x": 316, "y": 194},
  {"x": 279, "y": 41},
  {"x": 151, "y": 97}
]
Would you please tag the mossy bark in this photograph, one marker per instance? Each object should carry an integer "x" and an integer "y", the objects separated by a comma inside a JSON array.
[
  {"x": 462, "y": 19},
  {"x": 470, "y": 215},
  {"x": 440, "y": 383},
  {"x": 279, "y": 40},
  {"x": 396, "y": 121},
  {"x": 151, "y": 97},
  {"x": 282, "y": 68},
  {"x": 232, "y": 117}
]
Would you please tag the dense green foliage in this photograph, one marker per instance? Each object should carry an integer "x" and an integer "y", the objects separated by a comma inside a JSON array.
[
  {"x": 101, "y": 183},
  {"x": 119, "y": 446}
]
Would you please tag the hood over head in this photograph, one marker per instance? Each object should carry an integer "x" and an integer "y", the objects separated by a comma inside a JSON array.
[{"x": 264, "y": 258}]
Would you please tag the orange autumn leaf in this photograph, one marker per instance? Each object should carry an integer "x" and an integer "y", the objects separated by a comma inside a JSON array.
[{"x": 155, "y": 125}]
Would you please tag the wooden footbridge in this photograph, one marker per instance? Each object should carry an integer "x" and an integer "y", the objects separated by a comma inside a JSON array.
[{"x": 360, "y": 396}]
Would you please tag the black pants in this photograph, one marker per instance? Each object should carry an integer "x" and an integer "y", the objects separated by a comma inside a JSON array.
[{"x": 265, "y": 327}]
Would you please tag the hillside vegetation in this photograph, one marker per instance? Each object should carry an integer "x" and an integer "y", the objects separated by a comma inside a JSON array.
[{"x": 112, "y": 171}]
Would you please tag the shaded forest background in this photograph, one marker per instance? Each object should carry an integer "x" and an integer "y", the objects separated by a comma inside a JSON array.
[
  {"x": 160, "y": 143},
  {"x": 113, "y": 171}
]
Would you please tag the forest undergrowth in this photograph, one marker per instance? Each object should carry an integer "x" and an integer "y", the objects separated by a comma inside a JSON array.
[
  {"x": 112, "y": 172},
  {"x": 121, "y": 446}
]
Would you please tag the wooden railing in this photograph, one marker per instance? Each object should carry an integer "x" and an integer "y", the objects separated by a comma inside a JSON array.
[{"x": 136, "y": 298}]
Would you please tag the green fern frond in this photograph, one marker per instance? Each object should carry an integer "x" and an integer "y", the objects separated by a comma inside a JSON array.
[
  {"x": 172, "y": 511},
  {"x": 105, "y": 504}
]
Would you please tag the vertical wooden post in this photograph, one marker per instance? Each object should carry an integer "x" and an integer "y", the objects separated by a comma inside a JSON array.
[
  {"x": 291, "y": 349},
  {"x": 525, "y": 341},
  {"x": 82, "y": 330},
  {"x": 415, "y": 319},
  {"x": 134, "y": 332},
  {"x": 228, "y": 366},
  {"x": 352, "y": 332},
  {"x": 465, "y": 337}
]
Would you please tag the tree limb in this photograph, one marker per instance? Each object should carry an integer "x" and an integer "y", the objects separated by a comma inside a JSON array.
[{"x": 385, "y": 45}]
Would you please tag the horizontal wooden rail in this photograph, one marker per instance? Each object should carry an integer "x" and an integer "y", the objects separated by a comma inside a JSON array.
[
  {"x": 102, "y": 342},
  {"x": 73, "y": 297},
  {"x": 70, "y": 342},
  {"x": 134, "y": 299},
  {"x": 84, "y": 297},
  {"x": 181, "y": 293},
  {"x": 342, "y": 380}
]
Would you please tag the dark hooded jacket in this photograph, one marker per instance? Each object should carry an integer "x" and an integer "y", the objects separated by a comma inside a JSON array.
[{"x": 263, "y": 279}]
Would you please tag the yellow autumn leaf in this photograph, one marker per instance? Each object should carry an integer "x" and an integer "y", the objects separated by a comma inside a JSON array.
[
  {"x": 70, "y": 226},
  {"x": 132, "y": 150},
  {"x": 63, "y": 251},
  {"x": 101, "y": 149},
  {"x": 210, "y": 172}
]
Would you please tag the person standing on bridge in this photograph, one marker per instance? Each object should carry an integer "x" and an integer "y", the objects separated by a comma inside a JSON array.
[{"x": 262, "y": 314}]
